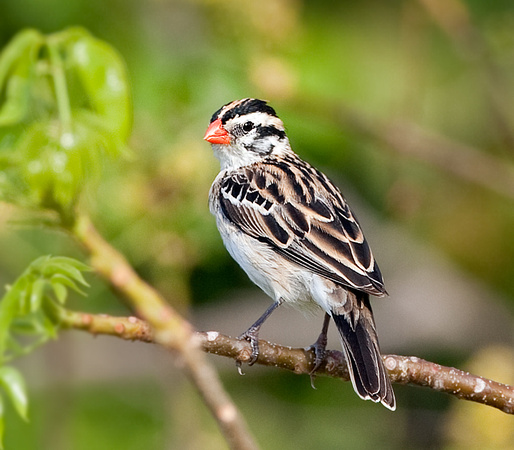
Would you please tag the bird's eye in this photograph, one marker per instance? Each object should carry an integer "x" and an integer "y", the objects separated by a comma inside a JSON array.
[{"x": 247, "y": 126}]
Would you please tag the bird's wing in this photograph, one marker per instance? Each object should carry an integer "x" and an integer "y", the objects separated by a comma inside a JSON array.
[{"x": 301, "y": 215}]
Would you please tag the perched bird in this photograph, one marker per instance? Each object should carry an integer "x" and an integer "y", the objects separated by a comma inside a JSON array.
[{"x": 290, "y": 229}]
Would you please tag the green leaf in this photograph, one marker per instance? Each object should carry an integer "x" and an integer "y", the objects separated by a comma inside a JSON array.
[
  {"x": 67, "y": 282},
  {"x": 14, "y": 385},
  {"x": 17, "y": 72},
  {"x": 9, "y": 307},
  {"x": 36, "y": 294},
  {"x": 63, "y": 267},
  {"x": 2, "y": 423},
  {"x": 103, "y": 77},
  {"x": 18, "y": 47},
  {"x": 39, "y": 263},
  {"x": 16, "y": 102},
  {"x": 71, "y": 262},
  {"x": 60, "y": 292}
]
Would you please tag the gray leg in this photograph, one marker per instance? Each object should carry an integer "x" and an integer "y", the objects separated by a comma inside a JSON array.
[{"x": 252, "y": 334}]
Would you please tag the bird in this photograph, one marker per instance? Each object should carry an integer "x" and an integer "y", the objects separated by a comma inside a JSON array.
[{"x": 292, "y": 231}]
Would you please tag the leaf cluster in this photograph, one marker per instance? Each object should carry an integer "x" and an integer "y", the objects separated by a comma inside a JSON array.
[
  {"x": 29, "y": 316},
  {"x": 64, "y": 105}
]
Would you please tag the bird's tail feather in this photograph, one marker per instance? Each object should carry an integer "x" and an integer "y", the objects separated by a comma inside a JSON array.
[{"x": 362, "y": 352}]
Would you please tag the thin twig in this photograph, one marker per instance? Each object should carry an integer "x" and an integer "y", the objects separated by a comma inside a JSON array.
[
  {"x": 410, "y": 140},
  {"x": 128, "y": 328},
  {"x": 401, "y": 369},
  {"x": 164, "y": 324}
]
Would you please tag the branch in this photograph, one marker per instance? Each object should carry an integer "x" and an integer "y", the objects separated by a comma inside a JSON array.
[
  {"x": 409, "y": 140},
  {"x": 165, "y": 326},
  {"x": 401, "y": 369},
  {"x": 457, "y": 159},
  {"x": 454, "y": 158}
]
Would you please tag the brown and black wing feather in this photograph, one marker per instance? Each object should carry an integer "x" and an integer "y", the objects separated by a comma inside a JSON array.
[{"x": 301, "y": 215}]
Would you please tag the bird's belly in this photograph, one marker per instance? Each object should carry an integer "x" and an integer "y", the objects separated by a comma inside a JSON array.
[{"x": 276, "y": 276}]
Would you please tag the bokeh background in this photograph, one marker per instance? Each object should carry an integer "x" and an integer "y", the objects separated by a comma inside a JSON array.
[{"x": 407, "y": 105}]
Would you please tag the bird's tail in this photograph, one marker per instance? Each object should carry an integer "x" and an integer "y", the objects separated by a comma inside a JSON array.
[{"x": 362, "y": 352}]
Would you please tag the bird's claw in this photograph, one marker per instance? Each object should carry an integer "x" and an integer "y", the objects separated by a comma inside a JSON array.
[
  {"x": 252, "y": 336},
  {"x": 319, "y": 355},
  {"x": 239, "y": 365},
  {"x": 319, "y": 348}
]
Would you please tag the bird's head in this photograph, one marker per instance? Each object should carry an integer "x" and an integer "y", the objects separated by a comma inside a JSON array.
[{"x": 244, "y": 132}]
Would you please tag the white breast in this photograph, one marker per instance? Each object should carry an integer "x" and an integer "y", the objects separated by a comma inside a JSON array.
[{"x": 276, "y": 276}]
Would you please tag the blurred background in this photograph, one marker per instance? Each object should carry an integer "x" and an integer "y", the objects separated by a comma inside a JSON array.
[{"x": 407, "y": 105}]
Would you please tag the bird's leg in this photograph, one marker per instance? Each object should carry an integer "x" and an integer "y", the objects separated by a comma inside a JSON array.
[
  {"x": 319, "y": 347},
  {"x": 252, "y": 334}
]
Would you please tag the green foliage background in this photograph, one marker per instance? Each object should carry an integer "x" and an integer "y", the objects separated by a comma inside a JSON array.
[{"x": 447, "y": 68}]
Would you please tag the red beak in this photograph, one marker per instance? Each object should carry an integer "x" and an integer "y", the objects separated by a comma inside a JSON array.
[{"x": 216, "y": 134}]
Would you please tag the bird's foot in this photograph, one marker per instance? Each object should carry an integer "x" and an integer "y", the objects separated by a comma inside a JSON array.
[
  {"x": 319, "y": 348},
  {"x": 251, "y": 335}
]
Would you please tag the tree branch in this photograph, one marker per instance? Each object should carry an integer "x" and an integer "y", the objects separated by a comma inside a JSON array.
[
  {"x": 165, "y": 326},
  {"x": 457, "y": 159},
  {"x": 409, "y": 140},
  {"x": 401, "y": 369}
]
